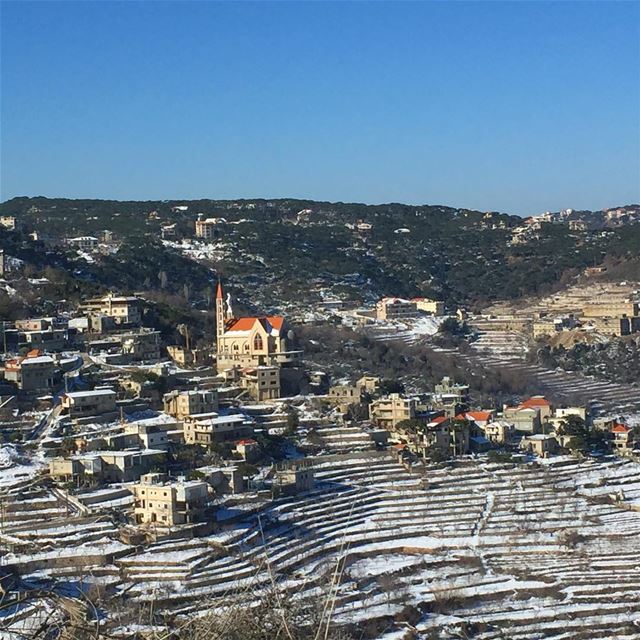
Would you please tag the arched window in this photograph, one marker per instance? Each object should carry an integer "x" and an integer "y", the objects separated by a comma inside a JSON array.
[{"x": 257, "y": 343}]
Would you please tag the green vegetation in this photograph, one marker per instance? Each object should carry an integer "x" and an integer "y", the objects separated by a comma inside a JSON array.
[{"x": 461, "y": 256}]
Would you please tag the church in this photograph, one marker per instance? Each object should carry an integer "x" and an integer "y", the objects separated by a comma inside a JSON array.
[{"x": 251, "y": 341}]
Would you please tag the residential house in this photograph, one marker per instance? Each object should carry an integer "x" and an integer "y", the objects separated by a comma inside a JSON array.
[
  {"x": 33, "y": 372},
  {"x": 207, "y": 429},
  {"x": 83, "y": 243},
  {"x": 181, "y": 404},
  {"x": 248, "y": 448},
  {"x": 345, "y": 395},
  {"x": 106, "y": 466},
  {"x": 208, "y": 228},
  {"x": 189, "y": 357},
  {"x": 262, "y": 382},
  {"x": 395, "y": 309},
  {"x": 542, "y": 445},
  {"x": 427, "y": 305},
  {"x": 164, "y": 503},
  {"x": 498, "y": 431},
  {"x": 294, "y": 476},
  {"x": 123, "y": 310},
  {"x": 142, "y": 345},
  {"x": 369, "y": 384},
  {"x": 388, "y": 411},
  {"x": 80, "y": 404},
  {"x": 622, "y": 438}
]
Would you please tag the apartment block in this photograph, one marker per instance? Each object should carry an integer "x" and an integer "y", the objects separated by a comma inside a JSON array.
[{"x": 164, "y": 503}]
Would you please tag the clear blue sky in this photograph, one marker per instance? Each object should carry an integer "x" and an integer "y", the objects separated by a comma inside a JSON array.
[{"x": 519, "y": 107}]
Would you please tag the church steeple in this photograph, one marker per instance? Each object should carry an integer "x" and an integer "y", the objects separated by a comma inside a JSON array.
[{"x": 221, "y": 317}]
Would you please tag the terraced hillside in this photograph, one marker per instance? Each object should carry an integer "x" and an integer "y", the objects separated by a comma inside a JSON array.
[{"x": 490, "y": 551}]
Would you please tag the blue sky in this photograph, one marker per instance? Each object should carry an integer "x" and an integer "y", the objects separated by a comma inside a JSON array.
[{"x": 519, "y": 107}]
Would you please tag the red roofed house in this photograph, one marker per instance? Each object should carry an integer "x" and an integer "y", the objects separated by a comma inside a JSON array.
[
  {"x": 529, "y": 415},
  {"x": 248, "y": 448},
  {"x": 480, "y": 418},
  {"x": 32, "y": 372},
  {"x": 249, "y": 342},
  {"x": 622, "y": 437},
  {"x": 540, "y": 403}
]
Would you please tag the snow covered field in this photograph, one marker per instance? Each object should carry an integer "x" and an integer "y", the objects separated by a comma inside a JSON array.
[{"x": 531, "y": 551}]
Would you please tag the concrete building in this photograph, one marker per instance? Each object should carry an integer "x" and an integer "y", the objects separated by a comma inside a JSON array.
[
  {"x": 189, "y": 357},
  {"x": 523, "y": 419},
  {"x": 618, "y": 326},
  {"x": 83, "y": 243},
  {"x": 143, "y": 345},
  {"x": 150, "y": 436},
  {"x": 542, "y": 445},
  {"x": 395, "y": 309},
  {"x": 386, "y": 412},
  {"x": 47, "y": 339},
  {"x": 611, "y": 309},
  {"x": 294, "y": 477},
  {"x": 427, "y": 305},
  {"x": 622, "y": 438},
  {"x": 458, "y": 393},
  {"x": 369, "y": 384},
  {"x": 208, "y": 228},
  {"x": 209, "y": 429},
  {"x": 345, "y": 395},
  {"x": 181, "y": 404},
  {"x": 123, "y": 310},
  {"x": 80, "y": 404},
  {"x": 223, "y": 479},
  {"x": 32, "y": 372},
  {"x": 498, "y": 431},
  {"x": 164, "y": 503},
  {"x": 262, "y": 383},
  {"x": 106, "y": 466}
]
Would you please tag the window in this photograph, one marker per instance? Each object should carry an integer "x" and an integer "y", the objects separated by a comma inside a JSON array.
[{"x": 257, "y": 342}]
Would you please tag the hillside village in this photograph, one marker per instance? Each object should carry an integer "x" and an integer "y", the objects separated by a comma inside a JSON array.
[{"x": 151, "y": 462}]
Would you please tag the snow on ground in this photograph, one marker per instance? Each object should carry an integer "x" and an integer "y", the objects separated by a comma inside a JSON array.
[
  {"x": 409, "y": 330},
  {"x": 14, "y": 468}
]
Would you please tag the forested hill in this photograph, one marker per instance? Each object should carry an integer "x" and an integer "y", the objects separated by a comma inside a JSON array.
[{"x": 285, "y": 250}]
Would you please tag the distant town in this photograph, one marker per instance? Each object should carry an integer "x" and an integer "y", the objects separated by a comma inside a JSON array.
[{"x": 420, "y": 462}]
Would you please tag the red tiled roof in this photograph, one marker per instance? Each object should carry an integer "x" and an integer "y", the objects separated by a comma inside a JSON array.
[
  {"x": 276, "y": 322},
  {"x": 481, "y": 416},
  {"x": 531, "y": 403},
  {"x": 241, "y": 324},
  {"x": 247, "y": 324},
  {"x": 439, "y": 420},
  {"x": 219, "y": 291},
  {"x": 246, "y": 442},
  {"x": 620, "y": 428}
]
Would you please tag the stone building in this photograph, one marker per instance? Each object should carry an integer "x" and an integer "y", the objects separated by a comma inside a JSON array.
[
  {"x": 250, "y": 341},
  {"x": 181, "y": 404},
  {"x": 164, "y": 503}
]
